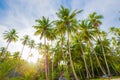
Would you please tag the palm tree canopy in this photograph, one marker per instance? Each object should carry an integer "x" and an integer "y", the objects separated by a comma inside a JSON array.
[
  {"x": 115, "y": 31},
  {"x": 31, "y": 44},
  {"x": 52, "y": 34},
  {"x": 95, "y": 19},
  {"x": 11, "y": 35},
  {"x": 39, "y": 47},
  {"x": 16, "y": 55},
  {"x": 25, "y": 39},
  {"x": 86, "y": 31},
  {"x": 2, "y": 51},
  {"x": 67, "y": 20},
  {"x": 43, "y": 27}
]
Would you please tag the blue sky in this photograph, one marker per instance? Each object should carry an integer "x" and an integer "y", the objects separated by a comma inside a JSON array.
[{"x": 21, "y": 14}]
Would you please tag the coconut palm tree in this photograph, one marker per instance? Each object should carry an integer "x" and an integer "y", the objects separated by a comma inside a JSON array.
[
  {"x": 87, "y": 32},
  {"x": 67, "y": 24},
  {"x": 43, "y": 29},
  {"x": 2, "y": 51},
  {"x": 52, "y": 38},
  {"x": 95, "y": 22},
  {"x": 16, "y": 55},
  {"x": 39, "y": 47},
  {"x": 24, "y": 40},
  {"x": 61, "y": 39},
  {"x": 10, "y": 36},
  {"x": 31, "y": 45},
  {"x": 52, "y": 35},
  {"x": 79, "y": 43},
  {"x": 115, "y": 32}
]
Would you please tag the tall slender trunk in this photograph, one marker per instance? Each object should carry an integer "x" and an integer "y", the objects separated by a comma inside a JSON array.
[
  {"x": 29, "y": 53},
  {"x": 108, "y": 70},
  {"x": 52, "y": 64},
  {"x": 97, "y": 70},
  {"x": 63, "y": 55},
  {"x": 46, "y": 59},
  {"x": 7, "y": 45},
  {"x": 103, "y": 71},
  {"x": 19, "y": 60},
  {"x": 115, "y": 62},
  {"x": 71, "y": 62},
  {"x": 114, "y": 69},
  {"x": 5, "y": 53},
  {"x": 47, "y": 63},
  {"x": 22, "y": 50},
  {"x": 81, "y": 77},
  {"x": 66, "y": 68},
  {"x": 52, "y": 69},
  {"x": 84, "y": 77},
  {"x": 91, "y": 63},
  {"x": 86, "y": 68}
]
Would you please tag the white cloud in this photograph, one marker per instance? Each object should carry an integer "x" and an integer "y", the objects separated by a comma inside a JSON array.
[
  {"x": 108, "y": 8},
  {"x": 2, "y": 29},
  {"x": 21, "y": 15}
]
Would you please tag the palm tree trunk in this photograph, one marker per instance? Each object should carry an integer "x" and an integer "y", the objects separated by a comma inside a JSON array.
[
  {"x": 22, "y": 50},
  {"x": 83, "y": 74},
  {"x": 47, "y": 63},
  {"x": 29, "y": 53},
  {"x": 91, "y": 63},
  {"x": 114, "y": 69},
  {"x": 115, "y": 66},
  {"x": 97, "y": 58},
  {"x": 5, "y": 53},
  {"x": 7, "y": 45},
  {"x": 63, "y": 55},
  {"x": 65, "y": 61},
  {"x": 99, "y": 38},
  {"x": 97, "y": 70},
  {"x": 18, "y": 60},
  {"x": 106, "y": 62},
  {"x": 80, "y": 75},
  {"x": 46, "y": 60},
  {"x": 71, "y": 62},
  {"x": 87, "y": 71},
  {"x": 52, "y": 64},
  {"x": 86, "y": 68},
  {"x": 52, "y": 69}
]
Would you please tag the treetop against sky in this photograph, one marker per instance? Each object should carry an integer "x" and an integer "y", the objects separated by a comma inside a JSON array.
[{"x": 21, "y": 14}]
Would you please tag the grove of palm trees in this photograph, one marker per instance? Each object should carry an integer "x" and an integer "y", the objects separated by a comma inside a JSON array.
[{"x": 77, "y": 47}]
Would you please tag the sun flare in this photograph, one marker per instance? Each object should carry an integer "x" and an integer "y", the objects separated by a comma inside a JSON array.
[
  {"x": 31, "y": 58},
  {"x": 34, "y": 58}
]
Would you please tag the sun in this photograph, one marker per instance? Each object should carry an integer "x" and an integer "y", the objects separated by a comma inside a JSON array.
[
  {"x": 34, "y": 58},
  {"x": 31, "y": 57}
]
